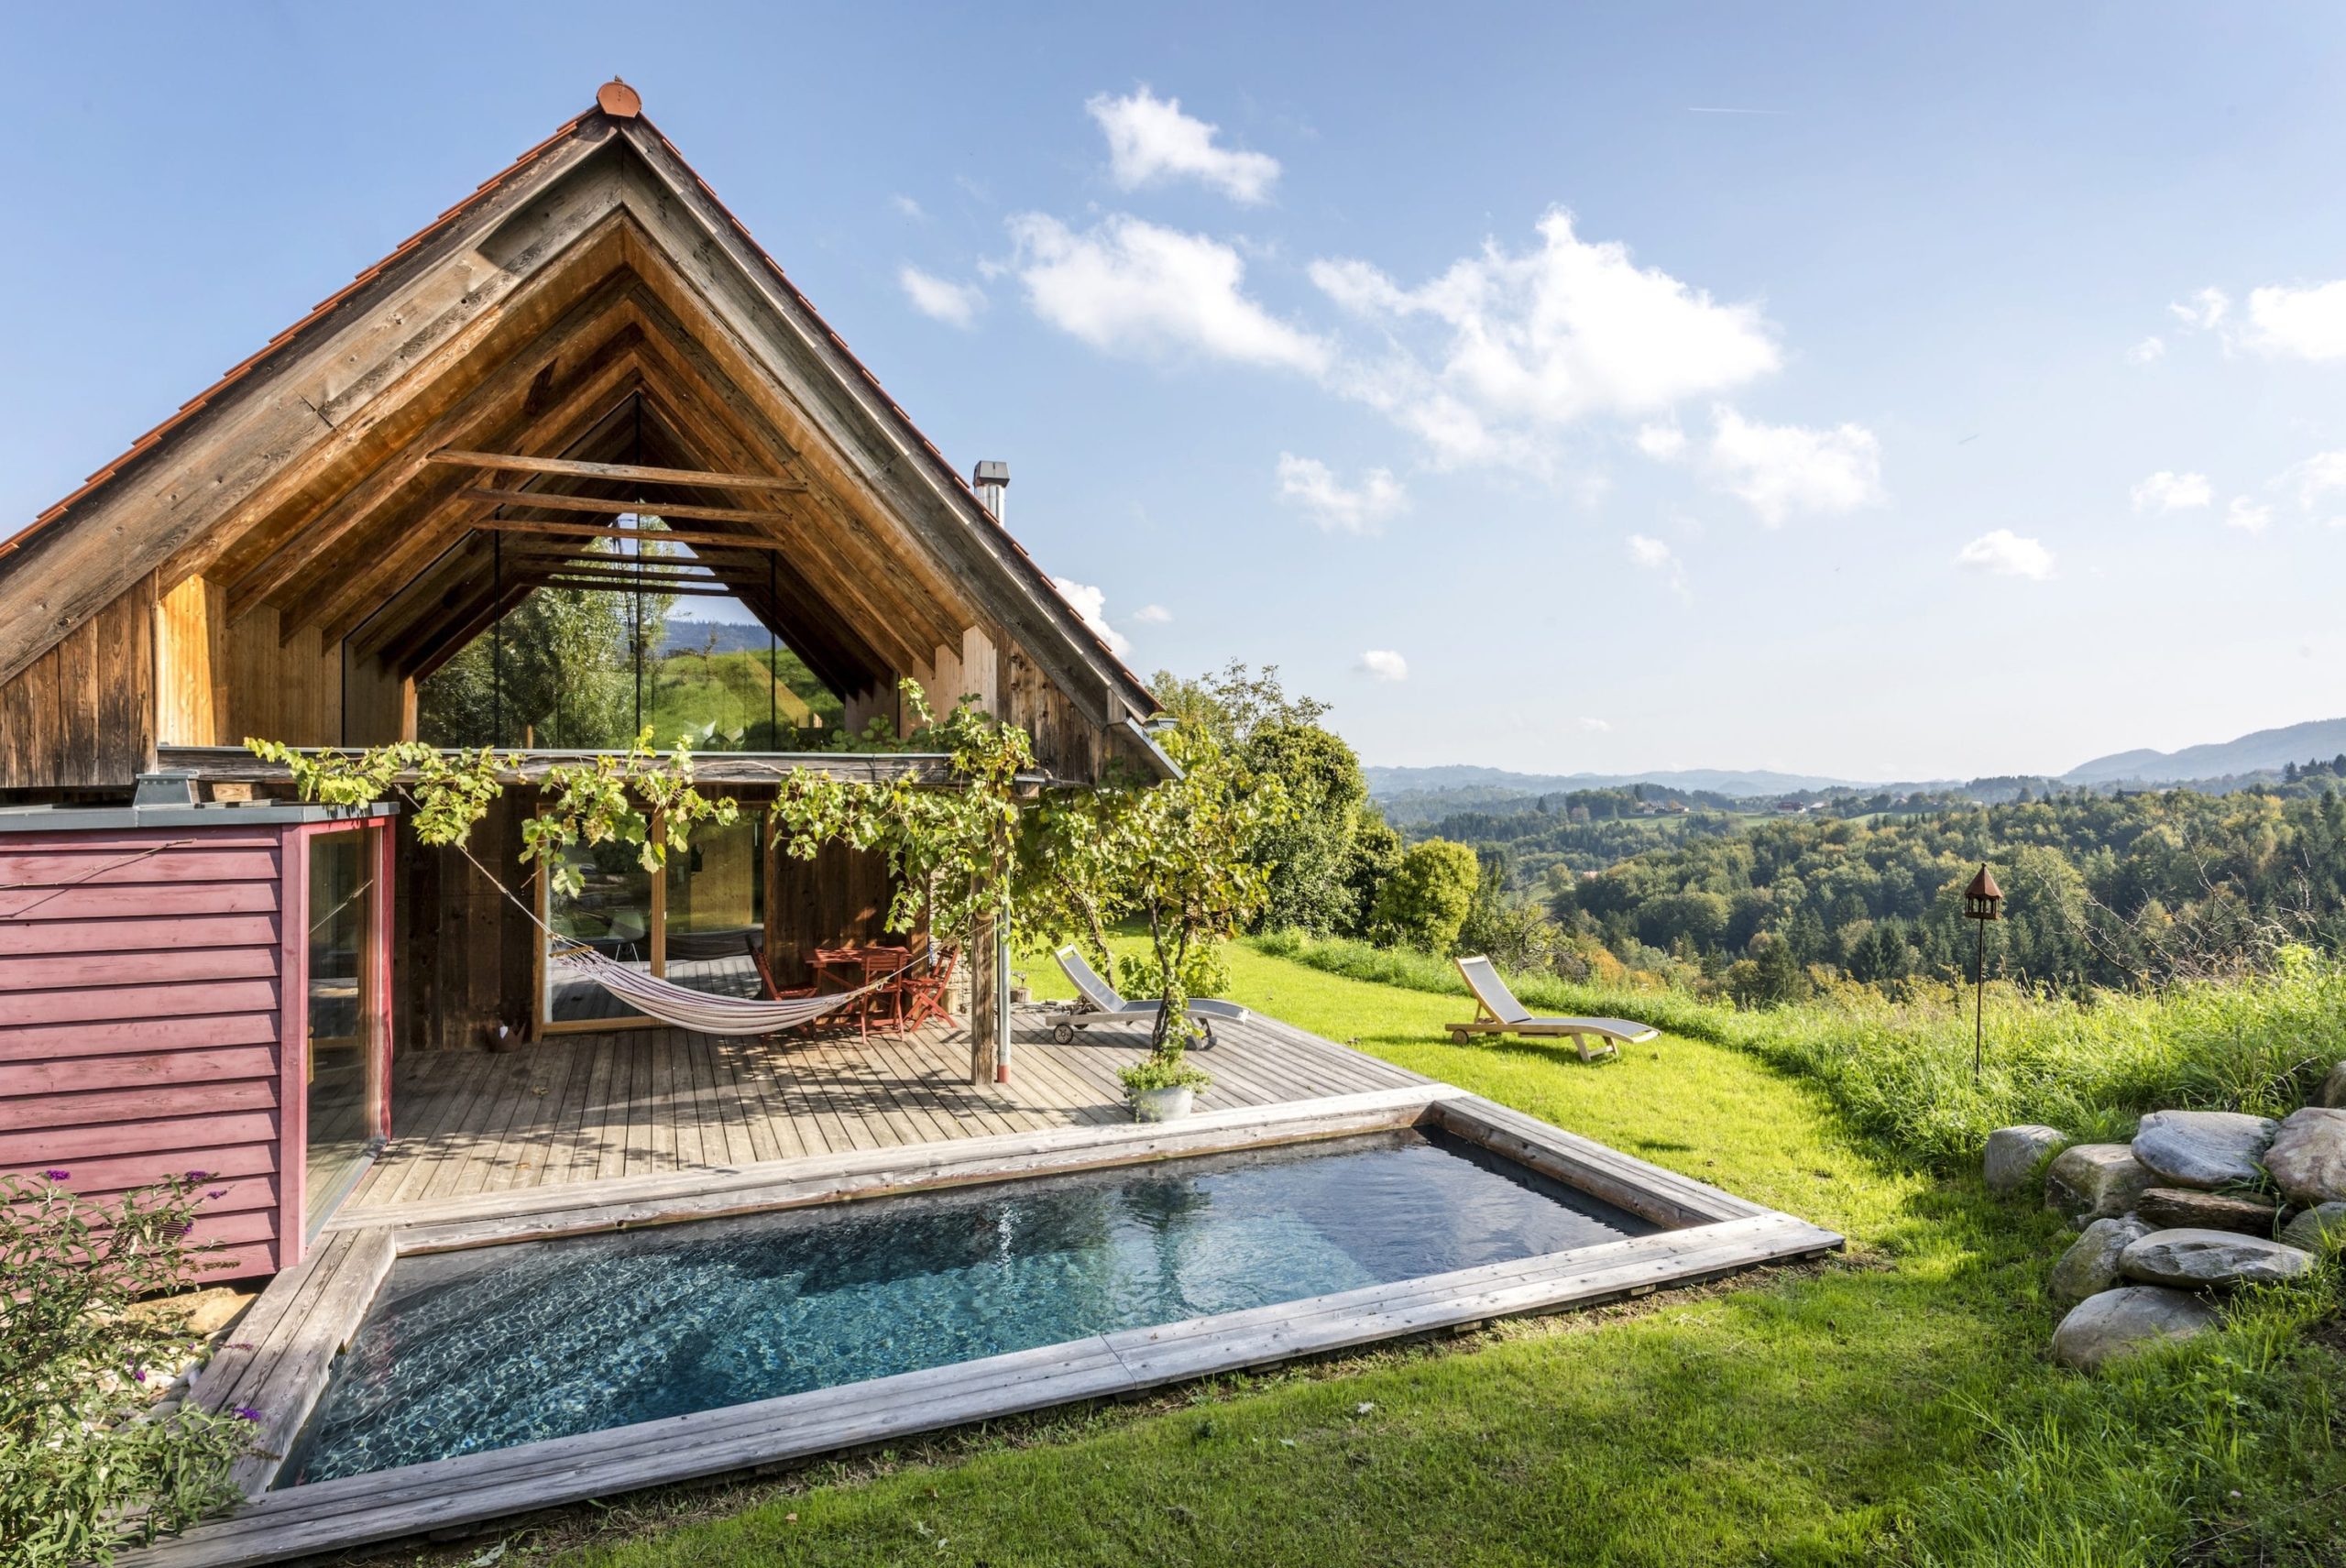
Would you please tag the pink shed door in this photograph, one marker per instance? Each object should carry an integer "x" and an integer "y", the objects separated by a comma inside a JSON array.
[{"x": 344, "y": 1070}]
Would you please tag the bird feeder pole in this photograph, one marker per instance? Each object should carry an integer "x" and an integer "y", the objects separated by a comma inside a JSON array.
[{"x": 1979, "y": 904}]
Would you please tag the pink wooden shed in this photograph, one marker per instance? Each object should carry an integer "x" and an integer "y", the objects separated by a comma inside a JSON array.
[{"x": 198, "y": 987}]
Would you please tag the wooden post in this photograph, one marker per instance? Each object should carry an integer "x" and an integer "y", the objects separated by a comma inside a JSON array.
[{"x": 985, "y": 1002}]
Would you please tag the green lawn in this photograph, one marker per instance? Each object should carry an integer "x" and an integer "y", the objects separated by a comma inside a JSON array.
[{"x": 1895, "y": 1404}]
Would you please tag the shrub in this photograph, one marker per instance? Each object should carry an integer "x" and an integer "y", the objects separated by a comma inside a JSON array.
[
  {"x": 1205, "y": 972},
  {"x": 1425, "y": 901},
  {"x": 85, "y": 1465}
]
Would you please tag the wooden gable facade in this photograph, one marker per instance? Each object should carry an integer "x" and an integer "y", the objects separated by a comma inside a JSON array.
[
  {"x": 290, "y": 553},
  {"x": 589, "y": 336}
]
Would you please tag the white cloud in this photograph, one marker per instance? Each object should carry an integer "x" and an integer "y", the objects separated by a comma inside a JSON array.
[
  {"x": 1151, "y": 615},
  {"x": 1131, "y": 287},
  {"x": 957, "y": 304},
  {"x": 1595, "y": 726},
  {"x": 2316, "y": 479},
  {"x": 1312, "y": 485},
  {"x": 2169, "y": 491},
  {"x": 2304, "y": 324},
  {"x": 2247, "y": 515},
  {"x": 2204, "y": 310},
  {"x": 1651, "y": 553},
  {"x": 1384, "y": 664},
  {"x": 907, "y": 206},
  {"x": 1150, "y": 139},
  {"x": 1663, "y": 442},
  {"x": 1546, "y": 337},
  {"x": 2149, "y": 351},
  {"x": 2007, "y": 554},
  {"x": 1779, "y": 469},
  {"x": 1092, "y": 604}
]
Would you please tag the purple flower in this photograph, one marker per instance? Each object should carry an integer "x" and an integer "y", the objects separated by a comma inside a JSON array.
[
  {"x": 195, "y": 1176},
  {"x": 57, "y": 1174},
  {"x": 217, "y": 1193},
  {"x": 138, "y": 1373},
  {"x": 247, "y": 1413},
  {"x": 240, "y": 1345}
]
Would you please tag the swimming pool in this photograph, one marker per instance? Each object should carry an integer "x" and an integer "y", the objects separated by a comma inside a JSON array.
[{"x": 489, "y": 1347}]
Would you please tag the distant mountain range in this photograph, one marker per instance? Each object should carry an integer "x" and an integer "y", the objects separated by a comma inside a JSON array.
[
  {"x": 2266, "y": 751},
  {"x": 2228, "y": 764},
  {"x": 1385, "y": 782}
]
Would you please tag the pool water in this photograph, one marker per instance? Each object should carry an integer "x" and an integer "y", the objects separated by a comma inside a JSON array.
[{"x": 482, "y": 1349}]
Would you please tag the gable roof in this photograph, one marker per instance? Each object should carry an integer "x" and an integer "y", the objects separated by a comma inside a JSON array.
[{"x": 288, "y": 428}]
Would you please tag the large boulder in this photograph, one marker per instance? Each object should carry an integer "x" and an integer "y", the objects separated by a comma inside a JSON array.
[
  {"x": 2332, "y": 1095},
  {"x": 2204, "y": 1148},
  {"x": 2324, "y": 1224},
  {"x": 2094, "y": 1181},
  {"x": 2090, "y": 1266},
  {"x": 2182, "y": 1208},
  {"x": 2131, "y": 1317},
  {"x": 2211, "y": 1259},
  {"x": 2016, "y": 1154},
  {"x": 2308, "y": 1159}
]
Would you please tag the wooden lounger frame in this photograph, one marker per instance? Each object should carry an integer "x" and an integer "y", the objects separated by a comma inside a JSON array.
[{"x": 309, "y": 1313}]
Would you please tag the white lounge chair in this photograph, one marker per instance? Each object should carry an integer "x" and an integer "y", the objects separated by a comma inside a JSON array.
[
  {"x": 1501, "y": 1013},
  {"x": 1103, "y": 1006}
]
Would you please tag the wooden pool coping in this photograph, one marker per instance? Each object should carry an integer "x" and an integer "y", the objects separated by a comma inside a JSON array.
[{"x": 308, "y": 1315}]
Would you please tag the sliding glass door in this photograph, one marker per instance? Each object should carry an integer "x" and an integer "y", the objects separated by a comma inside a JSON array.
[
  {"x": 700, "y": 922},
  {"x": 343, "y": 1079}
]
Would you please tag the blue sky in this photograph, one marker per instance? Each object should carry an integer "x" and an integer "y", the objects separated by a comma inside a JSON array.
[{"x": 1873, "y": 390}]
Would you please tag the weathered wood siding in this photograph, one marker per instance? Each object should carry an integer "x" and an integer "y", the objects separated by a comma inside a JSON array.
[
  {"x": 84, "y": 713},
  {"x": 140, "y": 1021},
  {"x": 463, "y": 956}
]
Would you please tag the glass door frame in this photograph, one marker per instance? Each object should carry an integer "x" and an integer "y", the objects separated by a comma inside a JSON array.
[
  {"x": 655, "y": 938},
  {"x": 375, "y": 992}
]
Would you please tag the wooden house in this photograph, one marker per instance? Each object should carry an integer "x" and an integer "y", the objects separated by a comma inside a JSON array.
[{"x": 198, "y": 972}]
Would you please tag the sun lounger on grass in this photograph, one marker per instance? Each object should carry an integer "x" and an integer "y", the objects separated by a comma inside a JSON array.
[
  {"x": 1100, "y": 1004},
  {"x": 1501, "y": 1013}
]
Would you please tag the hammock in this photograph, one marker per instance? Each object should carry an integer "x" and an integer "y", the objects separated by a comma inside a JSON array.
[{"x": 697, "y": 1009}]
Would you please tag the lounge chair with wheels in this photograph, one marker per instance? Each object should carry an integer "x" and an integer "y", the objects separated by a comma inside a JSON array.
[
  {"x": 1500, "y": 1014},
  {"x": 1100, "y": 1004}
]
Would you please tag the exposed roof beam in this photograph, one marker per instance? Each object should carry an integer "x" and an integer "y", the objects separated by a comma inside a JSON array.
[
  {"x": 591, "y": 530},
  {"x": 670, "y": 590},
  {"x": 556, "y": 502},
  {"x": 617, "y": 471}
]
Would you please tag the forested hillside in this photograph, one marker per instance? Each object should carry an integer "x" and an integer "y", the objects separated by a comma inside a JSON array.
[{"x": 2099, "y": 890}]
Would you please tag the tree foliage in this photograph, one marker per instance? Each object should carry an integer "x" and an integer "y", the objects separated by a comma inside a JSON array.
[{"x": 1426, "y": 900}]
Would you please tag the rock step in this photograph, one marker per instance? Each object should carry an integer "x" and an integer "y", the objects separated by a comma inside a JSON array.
[
  {"x": 2184, "y": 1208},
  {"x": 2201, "y": 1259}
]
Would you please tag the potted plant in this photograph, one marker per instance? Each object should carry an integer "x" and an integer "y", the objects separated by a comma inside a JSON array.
[{"x": 1161, "y": 1086}]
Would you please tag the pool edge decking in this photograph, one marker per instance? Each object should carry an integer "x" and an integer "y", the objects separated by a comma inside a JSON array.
[{"x": 309, "y": 1313}]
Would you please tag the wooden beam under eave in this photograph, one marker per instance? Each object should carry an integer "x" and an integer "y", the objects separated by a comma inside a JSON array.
[
  {"x": 490, "y": 404},
  {"x": 706, "y": 366},
  {"x": 696, "y": 477},
  {"x": 583, "y": 531},
  {"x": 557, "y": 501},
  {"x": 715, "y": 418},
  {"x": 597, "y": 389}
]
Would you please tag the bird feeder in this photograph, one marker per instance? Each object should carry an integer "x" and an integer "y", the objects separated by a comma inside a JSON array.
[
  {"x": 1983, "y": 897},
  {"x": 1980, "y": 901}
]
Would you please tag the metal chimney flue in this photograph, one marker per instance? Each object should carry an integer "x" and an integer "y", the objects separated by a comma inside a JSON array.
[{"x": 991, "y": 480}]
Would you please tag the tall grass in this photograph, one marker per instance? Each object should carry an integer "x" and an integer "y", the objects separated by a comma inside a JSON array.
[{"x": 1901, "y": 1073}]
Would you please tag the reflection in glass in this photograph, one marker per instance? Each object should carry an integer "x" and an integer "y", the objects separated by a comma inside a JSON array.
[
  {"x": 715, "y": 897},
  {"x": 342, "y": 1068},
  {"x": 612, "y": 913}
]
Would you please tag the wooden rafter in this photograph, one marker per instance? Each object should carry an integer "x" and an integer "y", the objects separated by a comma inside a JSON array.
[
  {"x": 554, "y": 501},
  {"x": 698, "y": 539},
  {"x": 696, "y": 477}
]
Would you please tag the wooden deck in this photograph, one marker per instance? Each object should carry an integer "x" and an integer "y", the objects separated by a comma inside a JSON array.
[{"x": 599, "y": 1107}]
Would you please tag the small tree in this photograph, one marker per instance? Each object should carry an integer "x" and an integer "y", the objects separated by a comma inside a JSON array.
[
  {"x": 85, "y": 1466},
  {"x": 1426, "y": 899}
]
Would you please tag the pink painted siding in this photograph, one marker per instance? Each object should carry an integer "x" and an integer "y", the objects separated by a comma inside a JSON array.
[{"x": 142, "y": 1030}]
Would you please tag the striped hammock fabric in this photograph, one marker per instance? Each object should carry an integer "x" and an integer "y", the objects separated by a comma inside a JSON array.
[{"x": 697, "y": 1009}]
